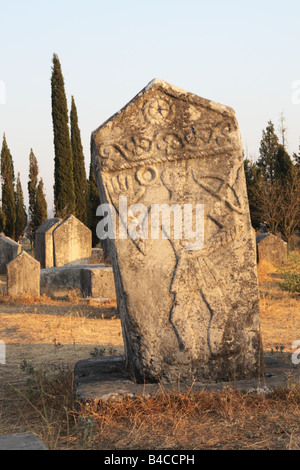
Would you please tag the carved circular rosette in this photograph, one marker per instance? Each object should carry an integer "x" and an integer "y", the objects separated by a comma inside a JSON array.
[{"x": 157, "y": 110}]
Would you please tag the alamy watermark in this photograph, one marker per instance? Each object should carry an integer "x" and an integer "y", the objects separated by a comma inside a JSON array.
[
  {"x": 296, "y": 354},
  {"x": 159, "y": 221},
  {"x": 2, "y": 353},
  {"x": 2, "y": 92}
]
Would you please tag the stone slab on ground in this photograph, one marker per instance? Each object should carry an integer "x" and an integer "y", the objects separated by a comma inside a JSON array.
[
  {"x": 57, "y": 282},
  {"x": 104, "y": 378},
  {"x": 24, "y": 441}
]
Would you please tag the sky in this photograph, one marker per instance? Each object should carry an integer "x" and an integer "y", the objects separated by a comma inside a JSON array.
[{"x": 241, "y": 54}]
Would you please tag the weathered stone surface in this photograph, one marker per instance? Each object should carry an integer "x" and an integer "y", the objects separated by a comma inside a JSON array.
[
  {"x": 97, "y": 256},
  {"x": 9, "y": 249},
  {"x": 72, "y": 243},
  {"x": 22, "y": 441},
  {"x": 98, "y": 282},
  {"x": 23, "y": 276},
  {"x": 104, "y": 378},
  {"x": 59, "y": 282},
  {"x": 186, "y": 313},
  {"x": 271, "y": 248},
  {"x": 43, "y": 250}
]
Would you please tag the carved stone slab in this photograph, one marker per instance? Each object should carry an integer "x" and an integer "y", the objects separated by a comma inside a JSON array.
[
  {"x": 188, "y": 310},
  {"x": 23, "y": 276}
]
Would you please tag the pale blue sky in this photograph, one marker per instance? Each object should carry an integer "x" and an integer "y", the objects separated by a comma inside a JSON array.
[{"x": 241, "y": 54}]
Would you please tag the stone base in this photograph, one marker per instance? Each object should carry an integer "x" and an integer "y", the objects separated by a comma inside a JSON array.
[
  {"x": 104, "y": 378},
  {"x": 23, "y": 441}
]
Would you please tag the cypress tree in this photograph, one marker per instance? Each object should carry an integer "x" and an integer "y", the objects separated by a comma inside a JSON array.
[
  {"x": 21, "y": 216},
  {"x": 32, "y": 187},
  {"x": 93, "y": 203},
  {"x": 8, "y": 192},
  {"x": 40, "y": 206},
  {"x": 79, "y": 173},
  {"x": 64, "y": 196},
  {"x": 2, "y": 220}
]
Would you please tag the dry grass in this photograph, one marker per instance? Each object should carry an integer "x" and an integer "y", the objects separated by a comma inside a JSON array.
[
  {"x": 51, "y": 336},
  {"x": 280, "y": 310}
]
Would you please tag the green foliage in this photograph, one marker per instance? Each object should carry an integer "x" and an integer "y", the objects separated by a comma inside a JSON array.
[
  {"x": 40, "y": 206},
  {"x": 37, "y": 201},
  {"x": 64, "y": 196},
  {"x": 2, "y": 220},
  {"x": 32, "y": 185},
  {"x": 269, "y": 146},
  {"x": 8, "y": 191},
  {"x": 21, "y": 216},
  {"x": 290, "y": 273},
  {"x": 273, "y": 186},
  {"x": 283, "y": 165},
  {"x": 253, "y": 181},
  {"x": 79, "y": 173},
  {"x": 93, "y": 203}
]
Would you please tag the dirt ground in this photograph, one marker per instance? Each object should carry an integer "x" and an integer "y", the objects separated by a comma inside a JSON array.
[{"x": 50, "y": 335}]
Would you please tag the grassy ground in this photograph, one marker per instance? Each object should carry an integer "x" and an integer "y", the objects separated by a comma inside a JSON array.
[{"x": 45, "y": 339}]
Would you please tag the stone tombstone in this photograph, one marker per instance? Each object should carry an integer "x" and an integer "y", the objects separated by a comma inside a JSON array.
[
  {"x": 23, "y": 276},
  {"x": 271, "y": 248},
  {"x": 43, "y": 249},
  {"x": 72, "y": 243},
  {"x": 9, "y": 249},
  {"x": 189, "y": 307},
  {"x": 98, "y": 282}
]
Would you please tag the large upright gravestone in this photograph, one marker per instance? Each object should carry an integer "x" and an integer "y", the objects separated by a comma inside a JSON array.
[
  {"x": 189, "y": 310},
  {"x": 72, "y": 243},
  {"x": 44, "y": 242}
]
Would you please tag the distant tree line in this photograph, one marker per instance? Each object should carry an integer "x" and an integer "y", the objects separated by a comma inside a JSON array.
[
  {"x": 14, "y": 219},
  {"x": 73, "y": 192},
  {"x": 273, "y": 184}
]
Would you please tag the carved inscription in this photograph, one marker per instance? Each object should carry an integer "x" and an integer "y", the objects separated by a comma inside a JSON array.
[{"x": 164, "y": 145}]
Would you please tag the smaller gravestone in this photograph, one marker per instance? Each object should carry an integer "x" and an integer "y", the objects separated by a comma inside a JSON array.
[
  {"x": 44, "y": 242},
  {"x": 271, "y": 248},
  {"x": 98, "y": 282},
  {"x": 9, "y": 249},
  {"x": 23, "y": 276},
  {"x": 72, "y": 243}
]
